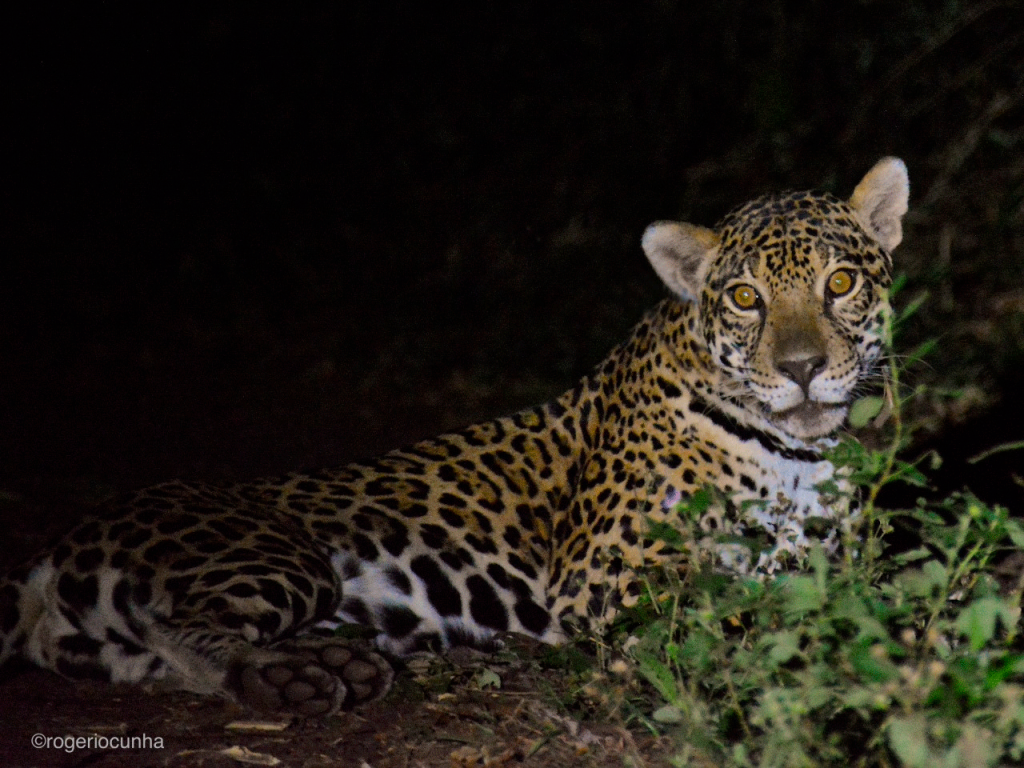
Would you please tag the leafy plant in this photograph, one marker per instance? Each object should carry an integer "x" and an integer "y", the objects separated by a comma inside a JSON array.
[{"x": 886, "y": 656}]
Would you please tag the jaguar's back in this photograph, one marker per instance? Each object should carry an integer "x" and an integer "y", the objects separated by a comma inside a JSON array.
[{"x": 530, "y": 523}]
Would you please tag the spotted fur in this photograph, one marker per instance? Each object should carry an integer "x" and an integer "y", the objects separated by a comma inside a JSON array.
[{"x": 530, "y": 523}]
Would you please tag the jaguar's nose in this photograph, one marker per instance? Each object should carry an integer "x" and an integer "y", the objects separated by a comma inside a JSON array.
[{"x": 802, "y": 370}]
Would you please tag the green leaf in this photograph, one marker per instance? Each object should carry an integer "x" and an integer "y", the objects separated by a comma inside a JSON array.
[
  {"x": 978, "y": 620},
  {"x": 783, "y": 647},
  {"x": 849, "y": 606},
  {"x": 974, "y": 747},
  {"x": 910, "y": 474},
  {"x": 667, "y": 714},
  {"x": 870, "y": 628},
  {"x": 911, "y": 308},
  {"x": 657, "y": 674},
  {"x": 1016, "y": 533},
  {"x": 487, "y": 678},
  {"x": 909, "y": 740},
  {"x": 803, "y": 595},
  {"x": 898, "y": 282},
  {"x": 925, "y": 349},
  {"x": 817, "y": 560},
  {"x": 864, "y": 410},
  {"x": 664, "y": 532},
  {"x": 695, "y": 654},
  {"x": 923, "y": 583},
  {"x": 1008, "y": 666},
  {"x": 699, "y": 502},
  {"x": 935, "y": 572},
  {"x": 872, "y": 663}
]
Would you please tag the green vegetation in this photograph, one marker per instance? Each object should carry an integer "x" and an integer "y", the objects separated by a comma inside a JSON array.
[{"x": 897, "y": 653}]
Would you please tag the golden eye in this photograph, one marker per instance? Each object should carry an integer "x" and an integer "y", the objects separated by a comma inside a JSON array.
[
  {"x": 840, "y": 283},
  {"x": 745, "y": 296}
]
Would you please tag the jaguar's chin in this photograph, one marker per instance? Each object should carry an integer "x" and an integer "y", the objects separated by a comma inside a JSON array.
[{"x": 811, "y": 420}]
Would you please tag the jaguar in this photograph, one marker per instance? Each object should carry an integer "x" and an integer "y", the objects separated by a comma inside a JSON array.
[{"x": 535, "y": 523}]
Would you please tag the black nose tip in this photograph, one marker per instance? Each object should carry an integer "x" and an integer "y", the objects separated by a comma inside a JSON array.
[{"x": 802, "y": 371}]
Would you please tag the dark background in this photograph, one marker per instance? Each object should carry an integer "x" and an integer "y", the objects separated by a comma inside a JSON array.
[{"x": 247, "y": 241}]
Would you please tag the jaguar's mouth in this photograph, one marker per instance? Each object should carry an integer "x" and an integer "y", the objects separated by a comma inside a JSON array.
[{"x": 811, "y": 419}]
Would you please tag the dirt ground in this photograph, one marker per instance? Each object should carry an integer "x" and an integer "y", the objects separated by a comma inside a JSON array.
[{"x": 468, "y": 723}]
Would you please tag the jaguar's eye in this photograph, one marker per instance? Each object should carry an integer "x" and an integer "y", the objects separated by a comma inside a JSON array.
[
  {"x": 840, "y": 282},
  {"x": 745, "y": 296}
]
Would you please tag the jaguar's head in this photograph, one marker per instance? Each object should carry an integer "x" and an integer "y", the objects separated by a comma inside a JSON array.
[{"x": 792, "y": 293}]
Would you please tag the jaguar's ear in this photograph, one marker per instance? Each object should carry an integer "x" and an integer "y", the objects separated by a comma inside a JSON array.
[
  {"x": 679, "y": 254},
  {"x": 880, "y": 201}
]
